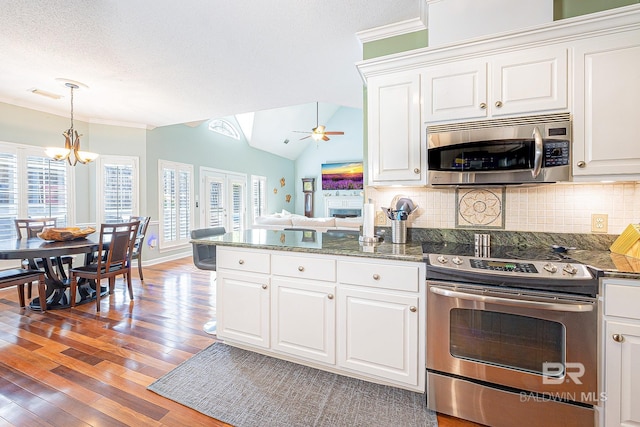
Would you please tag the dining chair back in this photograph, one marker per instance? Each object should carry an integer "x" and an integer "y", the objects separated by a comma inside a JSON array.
[
  {"x": 113, "y": 258},
  {"x": 18, "y": 277},
  {"x": 30, "y": 227},
  {"x": 139, "y": 243}
]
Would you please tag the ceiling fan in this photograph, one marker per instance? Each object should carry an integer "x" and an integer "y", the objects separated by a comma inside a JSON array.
[{"x": 319, "y": 132}]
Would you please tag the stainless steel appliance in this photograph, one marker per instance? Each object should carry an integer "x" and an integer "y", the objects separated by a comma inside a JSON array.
[
  {"x": 511, "y": 340},
  {"x": 522, "y": 150}
]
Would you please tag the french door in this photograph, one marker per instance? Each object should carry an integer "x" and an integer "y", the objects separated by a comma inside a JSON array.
[{"x": 223, "y": 197}]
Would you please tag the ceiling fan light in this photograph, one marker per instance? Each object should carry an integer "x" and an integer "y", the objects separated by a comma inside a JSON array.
[
  {"x": 317, "y": 136},
  {"x": 320, "y": 129}
]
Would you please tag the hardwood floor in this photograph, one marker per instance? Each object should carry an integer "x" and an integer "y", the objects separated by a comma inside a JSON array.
[{"x": 75, "y": 368}]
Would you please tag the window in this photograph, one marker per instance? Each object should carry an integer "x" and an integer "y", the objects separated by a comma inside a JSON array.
[
  {"x": 258, "y": 197},
  {"x": 225, "y": 128},
  {"x": 117, "y": 182},
  {"x": 176, "y": 203},
  {"x": 43, "y": 191}
]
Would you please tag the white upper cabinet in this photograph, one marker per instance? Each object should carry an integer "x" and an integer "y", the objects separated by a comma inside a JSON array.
[
  {"x": 518, "y": 82},
  {"x": 395, "y": 152},
  {"x": 606, "y": 125}
]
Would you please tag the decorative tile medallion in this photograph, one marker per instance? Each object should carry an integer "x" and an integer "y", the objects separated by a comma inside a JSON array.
[{"x": 479, "y": 208}]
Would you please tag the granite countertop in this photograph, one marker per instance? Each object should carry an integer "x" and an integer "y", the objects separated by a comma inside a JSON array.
[
  {"x": 612, "y": 265},
  {"x": 330, "y": 243}
]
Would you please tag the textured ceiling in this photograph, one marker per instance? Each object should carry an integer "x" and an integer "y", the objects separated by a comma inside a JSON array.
[{"x": 162, "y": 62}]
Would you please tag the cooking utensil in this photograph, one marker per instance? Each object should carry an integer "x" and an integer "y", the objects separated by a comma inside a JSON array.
[{"x": 406, "y": 205}]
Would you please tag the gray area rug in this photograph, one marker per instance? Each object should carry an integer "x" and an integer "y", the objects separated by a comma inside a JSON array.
[{"x": 243, "y": 388}]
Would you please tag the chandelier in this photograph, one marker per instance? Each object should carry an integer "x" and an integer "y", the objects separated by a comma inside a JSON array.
[{"x": 71, "y": 143}]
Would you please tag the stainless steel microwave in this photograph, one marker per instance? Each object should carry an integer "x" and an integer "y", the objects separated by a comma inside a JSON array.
[{"x": 522, "y": 150}]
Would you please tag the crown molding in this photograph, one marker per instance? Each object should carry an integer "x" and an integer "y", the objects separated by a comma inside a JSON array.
[{"x": 391, "y": 30}]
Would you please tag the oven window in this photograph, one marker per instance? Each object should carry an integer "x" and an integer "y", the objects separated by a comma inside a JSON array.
[{"x": 508, "y": 340}]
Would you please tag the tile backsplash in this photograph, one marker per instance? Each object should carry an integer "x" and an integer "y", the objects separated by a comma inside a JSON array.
[{"x": 555, "y": 208}]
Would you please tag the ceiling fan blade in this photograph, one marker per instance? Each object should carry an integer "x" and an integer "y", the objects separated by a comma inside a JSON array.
[
  {"x": 300, "y": 131},
  {"x": 325, "y": 138},
  {"x": 334, "y": 133},
  {"x": 305, "y": 137}
]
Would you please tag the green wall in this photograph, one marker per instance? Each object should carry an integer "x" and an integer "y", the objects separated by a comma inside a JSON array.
[
  {"x": 201, "y": 147},
  {"x": 562, "y": 9}
]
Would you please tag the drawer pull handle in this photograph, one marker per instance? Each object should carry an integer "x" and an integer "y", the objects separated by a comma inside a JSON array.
[
  {"x": 330, "y": 296},
  {"x": 264, "y": 286},
  {"x": 582, "y": 164},
  {"x": 416, "y": 171},
  {"x": 241, "y": 261},
  {"x": 618, "y": 338},
  {"x": 483, "y": 106},
  {"x": 413, "y": 309},
  {"x": 300, "y": 268},
  {"x": 498, "y": 104},
  {"x": 376, "y": 276}
]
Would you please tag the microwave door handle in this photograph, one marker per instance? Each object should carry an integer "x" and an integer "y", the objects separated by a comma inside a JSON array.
[
  {"x": 538, "y": 148},
  {"x": 551, "y": 306}
]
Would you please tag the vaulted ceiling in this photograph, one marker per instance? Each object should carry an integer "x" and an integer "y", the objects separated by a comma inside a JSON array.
[{"x": 160, "y": 62}]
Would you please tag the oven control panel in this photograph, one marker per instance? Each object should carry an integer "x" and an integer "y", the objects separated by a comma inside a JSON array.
[
  {"x": 523, "y": 268},
  {"x": 518, "y": 267}
]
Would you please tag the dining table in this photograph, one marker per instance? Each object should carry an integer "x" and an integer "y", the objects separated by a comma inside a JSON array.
[{"x": 34, "y": 249}]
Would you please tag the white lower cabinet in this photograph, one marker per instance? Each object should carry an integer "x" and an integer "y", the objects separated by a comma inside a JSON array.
[
  {"x": 242, "y": 307},
  {"x": 355, "y": 316},
  {"x": 621, "y": 343},
  {"x": 303, "y": 319},
  {"x": 378, "y": 333}
]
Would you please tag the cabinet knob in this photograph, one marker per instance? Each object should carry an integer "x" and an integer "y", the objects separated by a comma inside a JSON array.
[
  {"x": 413, "y": 309},
  {"x": 300, "y": 268},
  {"x": 618, "y": 338},
  {"x": 416, "y": 171},
  {"x": 240, "y": 261},
  {"x": 483, "y": 106},
  {"x": 330, "y": 296},
  {"x": 581, "y": 164},
  {"x": 264, "y": 286},
  {"x": 376, "y": 277},
  {"x": 498, "y": 104}
]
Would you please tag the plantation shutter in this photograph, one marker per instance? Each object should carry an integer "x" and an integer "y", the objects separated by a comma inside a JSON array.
[
  {"x": 216, "y": 204},
  {"x": 8, "y": 194},
  {"x": 47, "y": 189},
  {"x": 117, "y": 192},
  {"x": 176, "y": 195}
]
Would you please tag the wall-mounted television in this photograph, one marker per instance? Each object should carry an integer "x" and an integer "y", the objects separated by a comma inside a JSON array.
[{"x": 342, "y": 176}]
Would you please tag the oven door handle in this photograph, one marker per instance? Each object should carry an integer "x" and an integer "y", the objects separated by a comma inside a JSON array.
[{"x": 552, "y": 306}]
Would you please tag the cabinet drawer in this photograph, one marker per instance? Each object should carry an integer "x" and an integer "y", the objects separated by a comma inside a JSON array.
[
  {"x": 257, "y": 262},
  {"x": 400, "y": 277},
  {"x": 315, "y": 268},
  {"x": 622, "y": 300}
]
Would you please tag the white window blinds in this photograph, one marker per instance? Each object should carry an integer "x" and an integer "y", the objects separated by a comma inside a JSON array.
[
  {"x": 258, "y": 197},
  {"x": 176, "y": 198}
]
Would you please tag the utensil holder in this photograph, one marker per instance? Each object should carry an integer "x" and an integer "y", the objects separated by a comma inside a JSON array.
[{"x": 398, "y": 231}]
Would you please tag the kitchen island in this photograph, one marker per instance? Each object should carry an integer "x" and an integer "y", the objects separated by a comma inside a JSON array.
[{"x": 325, "y": 300}]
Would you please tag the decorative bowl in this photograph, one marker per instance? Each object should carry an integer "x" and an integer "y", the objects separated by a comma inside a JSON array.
[{"x": 66, "y": 233}]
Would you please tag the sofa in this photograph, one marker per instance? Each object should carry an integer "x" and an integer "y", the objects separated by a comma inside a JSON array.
[{"x": 284, "y": 220}]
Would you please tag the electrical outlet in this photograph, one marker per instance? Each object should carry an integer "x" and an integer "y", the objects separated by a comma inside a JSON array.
[
  {"x": 599, "y": 223},
  {"x": 381, "y": 219}
]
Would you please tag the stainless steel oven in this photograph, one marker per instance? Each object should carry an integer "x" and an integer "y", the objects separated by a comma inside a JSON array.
[{"x": 512, "y": 342}]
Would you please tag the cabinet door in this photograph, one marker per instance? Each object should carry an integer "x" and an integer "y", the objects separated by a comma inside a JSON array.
[
  {"x": 529, "y": 81},
  {"x": 394, "y": 137},
  {"x": 606, "y": 129},
  {"x": 378, "y": 334},
  {"x": 242, "y": 307},
  {"x": 622, "y": 374},
  {"x": 455, "y": 91},
  {"x": 303, "y": 319}
]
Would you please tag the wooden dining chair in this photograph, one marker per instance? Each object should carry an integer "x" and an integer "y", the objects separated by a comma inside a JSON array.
[
  {"x": 30, "y": 227},
  {"x": 18, "y": 277},
  {"x": 139, "y": 244},
  {"x": 114, "y": 258}
]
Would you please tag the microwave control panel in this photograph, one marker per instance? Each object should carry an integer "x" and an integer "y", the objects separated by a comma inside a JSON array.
[{"x": 556, "y": 153}]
